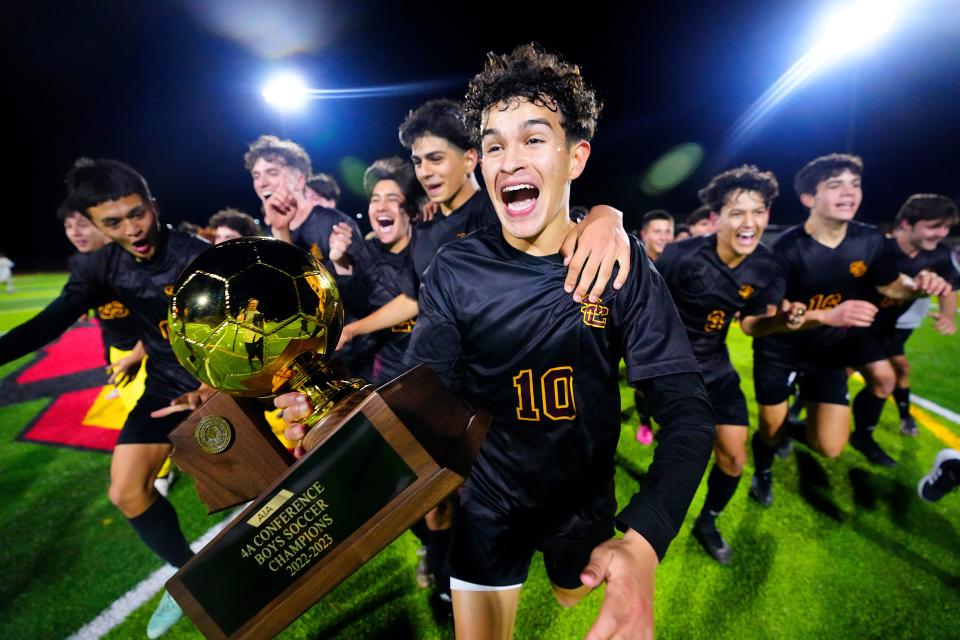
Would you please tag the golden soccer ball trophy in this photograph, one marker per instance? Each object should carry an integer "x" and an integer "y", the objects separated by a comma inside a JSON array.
[{"x": 257, "y": 317}]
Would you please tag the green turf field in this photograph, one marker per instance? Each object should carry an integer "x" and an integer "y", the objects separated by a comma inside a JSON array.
[{"x": 846, "y": 551}]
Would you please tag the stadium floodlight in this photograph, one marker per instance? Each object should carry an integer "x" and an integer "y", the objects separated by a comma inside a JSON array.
[
  {"x": 847, "y": 30},
  {"x": 286, "y": 91}
]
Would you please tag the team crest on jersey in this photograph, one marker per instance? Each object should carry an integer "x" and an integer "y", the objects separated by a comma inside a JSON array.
[
  {"x": 404, "y": 327},
  {"x": 112, "y": 311},
  {"x": 715, "y": 320},
  {"x": 858, "y": 268},
  {"x": 594, "y": 314},
  {"x": 746, "y": 290},
  {"x": 168, "y": 290}
]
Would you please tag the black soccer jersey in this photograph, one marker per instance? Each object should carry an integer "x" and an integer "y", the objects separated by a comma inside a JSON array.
[
  {"x": 428, "y": 237},
  {"x": 383, "y": 278},
  {"x": 822, "y": 278},
  {"x": 939, "y": 261},
  {"x": 314, "y": 235},
  {"x": 542, "y": 365},
  {"x": 708, "y": 294},
  {"x": 118, "y": 327},
  {"x": 143, "y": 287}
]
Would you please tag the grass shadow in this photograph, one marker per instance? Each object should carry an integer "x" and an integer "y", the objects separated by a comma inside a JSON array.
[{"x": 814, "y": 486}]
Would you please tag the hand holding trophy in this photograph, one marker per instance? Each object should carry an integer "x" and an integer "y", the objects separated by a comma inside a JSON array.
[{"x": 257, "y": 317}]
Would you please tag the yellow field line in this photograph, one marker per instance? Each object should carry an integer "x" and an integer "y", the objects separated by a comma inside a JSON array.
[{"x": 937, "y": 428}]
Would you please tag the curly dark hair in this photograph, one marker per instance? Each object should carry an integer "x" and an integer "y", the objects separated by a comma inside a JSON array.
[
  {"x": 401, "y": 172},
  {"x": 927, "y": 206},
  {"x": 545, "y": 79},
  {"x": 744, "y": 178},
  {"x": 441, "y": 118},
  {"x": 273, "y": 149},
  {"x": 823, "y": 168}
]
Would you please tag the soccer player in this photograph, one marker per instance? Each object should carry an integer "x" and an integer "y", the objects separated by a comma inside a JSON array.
[
  {"x": 656, "y": 232},
  {"x": 714, "y": 278},
  {"x": 139, "y": 268},
  {"x": 230, "y": 223},
  {"x": 546, "y": 368},
  {"x": 280, "y": 169},
  {"x": 445, "y": 158},
  {"x": 322, "y": 191},
  {"x": 700, "y": 222},
  {"x": 826, "y": 263},
  {"x": 6, "y": 272},
  {"x": 395, "y": 197},
  {"x": 922, "y": 222}
]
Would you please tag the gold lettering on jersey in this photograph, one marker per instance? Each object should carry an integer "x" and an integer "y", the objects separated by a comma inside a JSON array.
[
  {"x": 316, "y": 252},
  {"x": 112, "y": 311},
  {"x": 746, "y": 291},
  {"x": 715, "y": 320},
  {"x": 821, "y": 301},
  {"x": 404, "y": 327},
  {"x": 460, "y": 234},
  {"x": 594, "y": 314},
  {"x": 168, "y": 290},
  {"x": 858, "y": 268},
  {"x": 555, "y": 397},
  {"x": 164, "y": 329}
]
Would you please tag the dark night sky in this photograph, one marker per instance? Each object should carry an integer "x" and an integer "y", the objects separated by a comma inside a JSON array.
[{"x": 162, "y": 86}]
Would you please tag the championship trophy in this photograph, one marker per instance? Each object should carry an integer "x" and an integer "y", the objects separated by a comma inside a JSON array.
[{"x": 255, "y": 318}]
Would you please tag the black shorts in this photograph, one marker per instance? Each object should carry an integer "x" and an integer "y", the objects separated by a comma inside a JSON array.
[
  {"x": 493, "y": 548},
  {"x": 729, "y": 403},
  {"x": 774, "y": 378},
  {"x": 140, "y": 428},
  {"x": 861, "y": 346},
  {"x": 893, "y": 343}
]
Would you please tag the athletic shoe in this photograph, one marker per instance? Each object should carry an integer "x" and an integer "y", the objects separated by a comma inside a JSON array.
[
  {"x": 863, "y": 442},
  {"x": 908, "y": 427},
  {"x": 705, "y": 531},
  {"x": 163, "y": 484},
  {"x": 761, "y": 488},
  {"x": 943, "y": 477},
  {"x": 785, "y": 448},
  {"x": 167, "y": 614},
  {"x": 424, "y": 577},
  {"x": 644, "y": 434}
]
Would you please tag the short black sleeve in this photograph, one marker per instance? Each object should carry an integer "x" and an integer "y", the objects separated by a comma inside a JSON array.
[
  {"x": 436, "y": 338},
  {"x": 654, "y": 340}
]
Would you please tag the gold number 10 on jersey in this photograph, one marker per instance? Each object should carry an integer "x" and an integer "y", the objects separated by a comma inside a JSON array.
[{"x": 556, "y": 394}]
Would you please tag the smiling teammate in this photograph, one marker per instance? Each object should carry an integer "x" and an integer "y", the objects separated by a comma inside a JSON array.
[
  {"x": 827, "y": 264},
  {"x": 138, "y": 268},
  {"x": 546, "y": 368},
  {"x": 712, "y": 279}
]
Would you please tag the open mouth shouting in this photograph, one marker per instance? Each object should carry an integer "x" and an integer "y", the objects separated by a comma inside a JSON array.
[
  {"x": 520, "y": 198},
  {"x": 142, "y": 247},
  {"x": 746, "y": 239}
]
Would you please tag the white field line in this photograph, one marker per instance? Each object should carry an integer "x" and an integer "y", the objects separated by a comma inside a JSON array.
[
  {"x": 933, "y": 407},
  {"x": 133, "y": 599}
]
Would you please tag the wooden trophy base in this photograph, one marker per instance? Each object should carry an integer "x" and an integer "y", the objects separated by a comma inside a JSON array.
[{"x": 376, "y": 465}]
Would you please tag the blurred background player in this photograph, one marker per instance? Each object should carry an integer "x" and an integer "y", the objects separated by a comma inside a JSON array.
[
  {"x": 6, "y": 272},
  {"x": 922, "y": 223},
  {"x": 322, "y": 191},
  {"x": 229, "y": 223},
  {"x": 656, "y": 232},
  {"x": 700, "y": 222}
]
